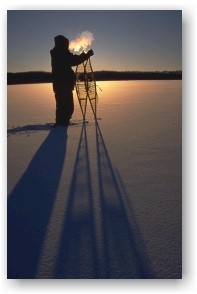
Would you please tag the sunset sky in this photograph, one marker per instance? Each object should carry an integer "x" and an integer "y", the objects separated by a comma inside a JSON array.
[{"x": 124, "y": 39}]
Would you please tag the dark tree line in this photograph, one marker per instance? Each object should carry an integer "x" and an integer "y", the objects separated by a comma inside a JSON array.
[
  {"x": 33, "y": 77},
  {"x": 30, "y": 77},
  {"x": 137, "y": 75}
]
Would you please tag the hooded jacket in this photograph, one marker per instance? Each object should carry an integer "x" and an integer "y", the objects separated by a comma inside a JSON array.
[{"x": 61, "y": 62}]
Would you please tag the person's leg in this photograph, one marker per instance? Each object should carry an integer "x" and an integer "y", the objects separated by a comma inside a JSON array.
[
  {"x": 70, "y": 105},
  {"x": 67, "y": 106},
  {"x": 57, "y": 92},
  {"x": 64, "y": 103}
]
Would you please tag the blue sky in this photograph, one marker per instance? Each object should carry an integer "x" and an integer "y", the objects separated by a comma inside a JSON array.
[{"x": 124, "y": 39}]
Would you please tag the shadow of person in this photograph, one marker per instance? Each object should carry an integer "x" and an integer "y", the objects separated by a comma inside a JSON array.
[
  {"x": 100, "y": 236},
  {"x": 30, "y": 205}
]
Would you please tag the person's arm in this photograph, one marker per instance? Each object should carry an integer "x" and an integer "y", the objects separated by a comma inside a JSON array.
[{"x": 78, "y": 59}]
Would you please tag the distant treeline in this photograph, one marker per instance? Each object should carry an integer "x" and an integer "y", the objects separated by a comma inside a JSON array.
[
  {"x": 33, "y": 77},
  {"x": 137, "y": 75}
]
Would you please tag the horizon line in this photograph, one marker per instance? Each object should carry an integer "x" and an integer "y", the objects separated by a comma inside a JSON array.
[{"x": 102, "y": 70}]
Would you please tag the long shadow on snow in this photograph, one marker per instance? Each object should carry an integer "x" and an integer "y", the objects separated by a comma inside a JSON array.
[
  {"x": 101, "y": 238},
  {"x": 76, "y": 257},
  {"x": 30, "y": 204}
]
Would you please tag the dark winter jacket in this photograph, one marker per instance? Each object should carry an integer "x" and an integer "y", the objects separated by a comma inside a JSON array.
[{"x": 61, "y": 62}]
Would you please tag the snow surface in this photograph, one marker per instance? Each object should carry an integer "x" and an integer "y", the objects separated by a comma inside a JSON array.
[{"x": 100, "y": 199}]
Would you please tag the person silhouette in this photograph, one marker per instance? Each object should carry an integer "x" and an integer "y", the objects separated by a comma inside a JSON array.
[{"x": 63, "y": 78}]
